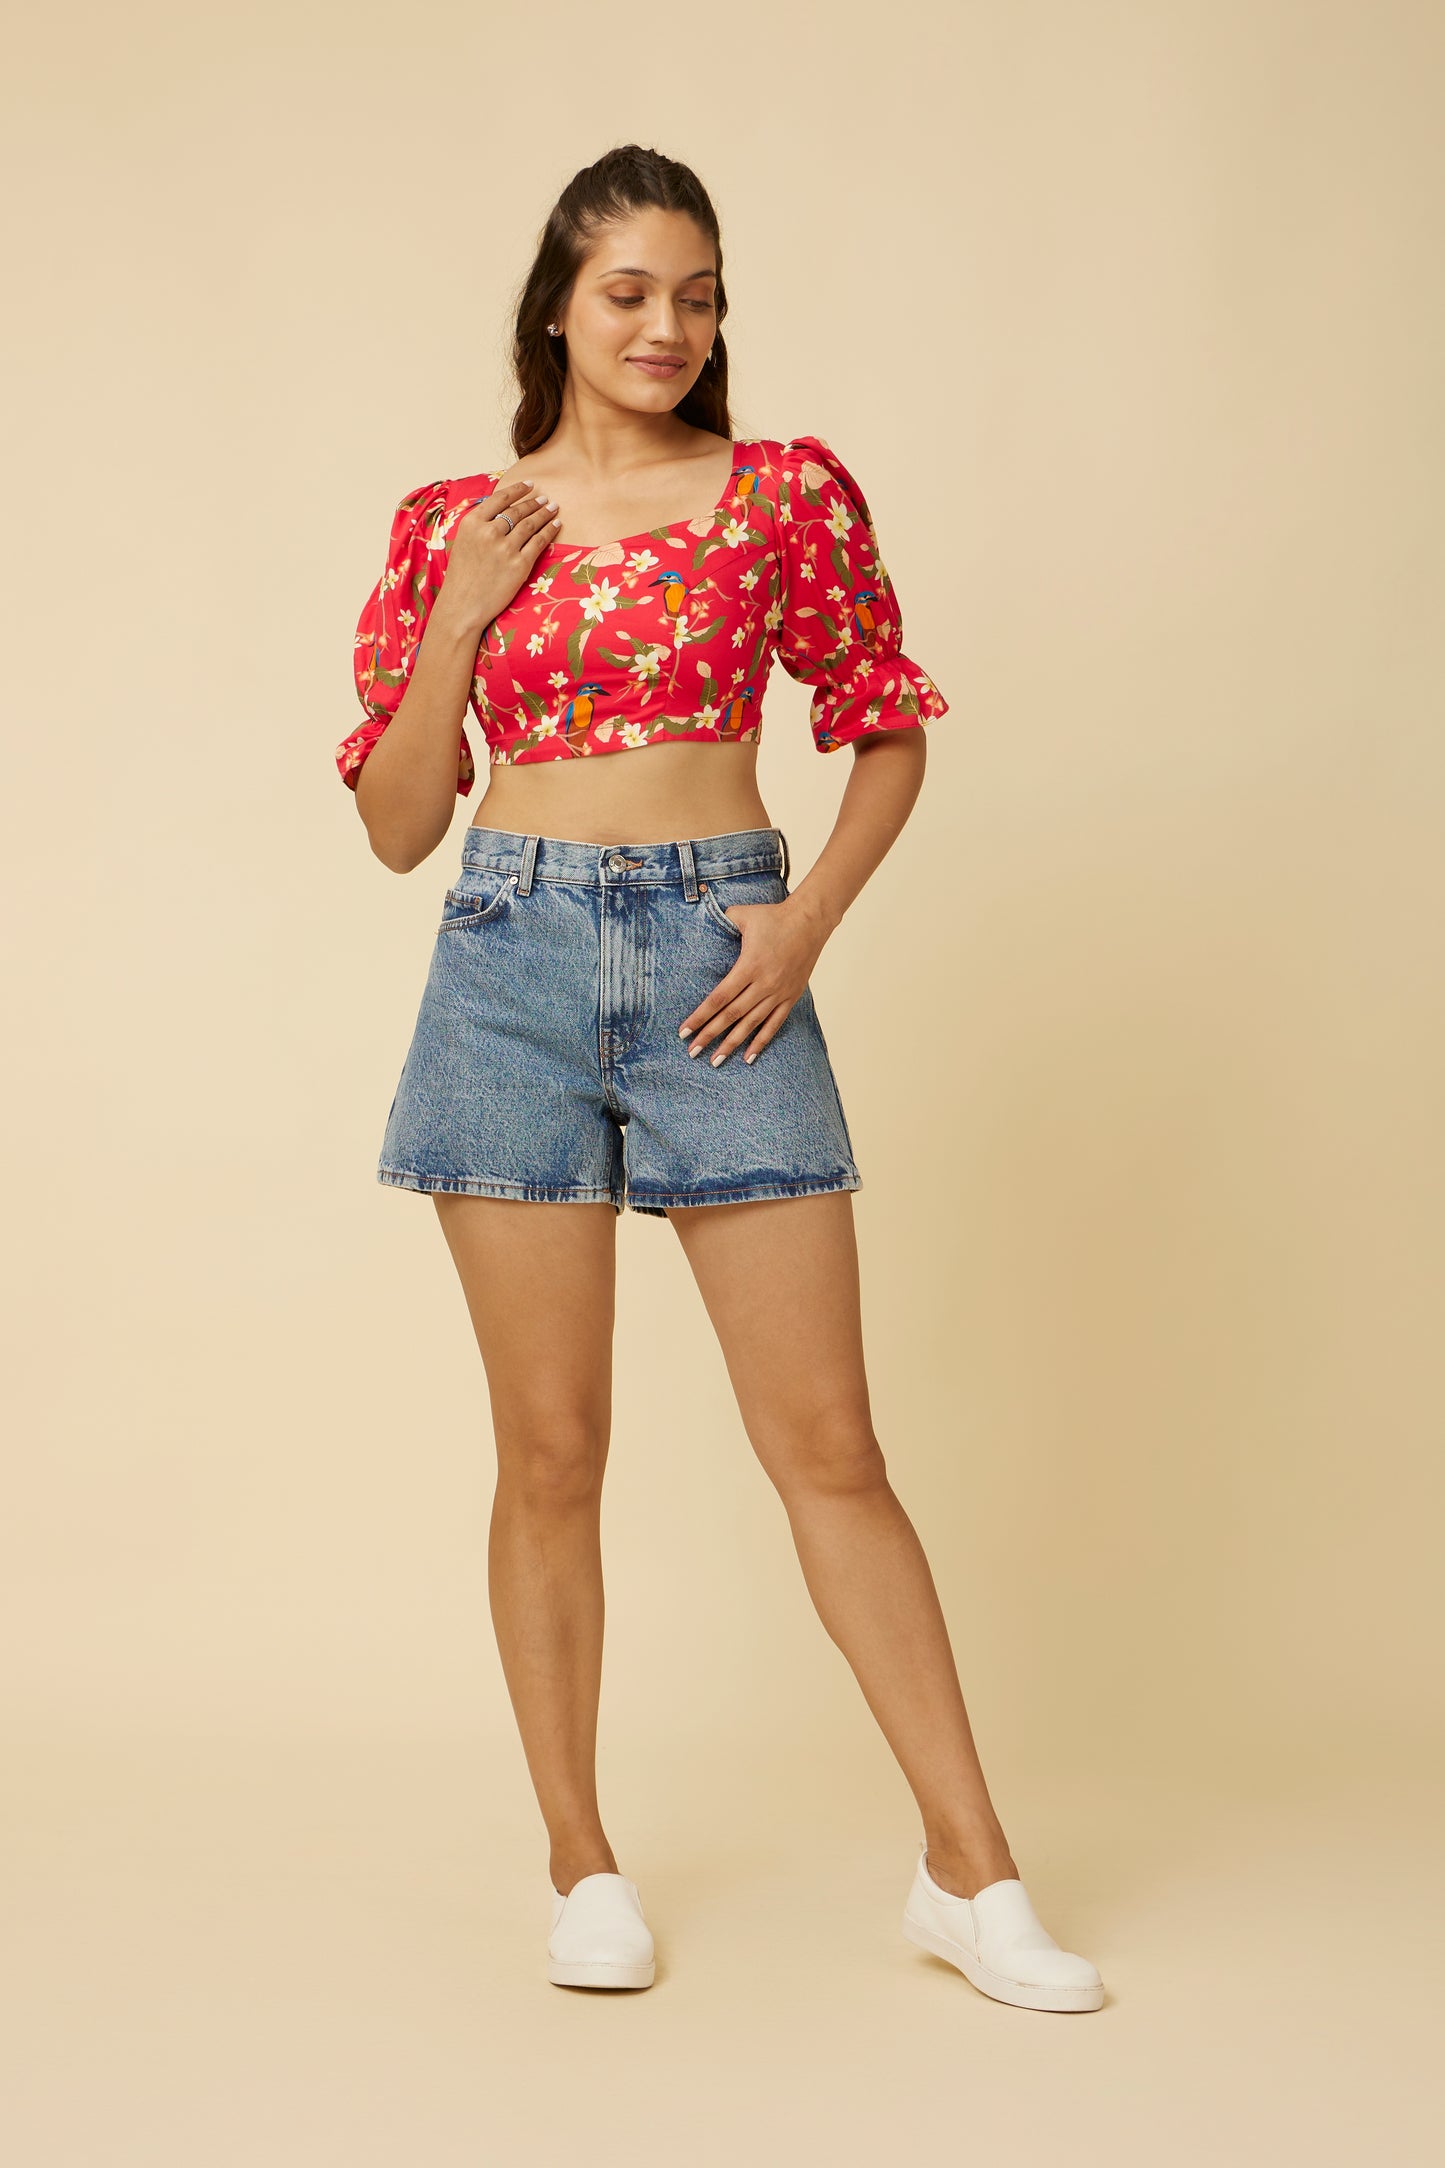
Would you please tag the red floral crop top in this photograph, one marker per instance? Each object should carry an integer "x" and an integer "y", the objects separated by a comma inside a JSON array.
[{"x": 661, "y": 635}]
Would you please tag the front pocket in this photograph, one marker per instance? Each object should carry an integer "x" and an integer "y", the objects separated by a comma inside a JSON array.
[
  {"x": 718, "y": 914},
  {"x": 739, "y": 888},
  {"x": 474, "y": 900}
]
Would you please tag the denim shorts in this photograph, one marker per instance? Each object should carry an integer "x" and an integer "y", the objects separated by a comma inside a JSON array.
[{"x": 546, "y": 1063}]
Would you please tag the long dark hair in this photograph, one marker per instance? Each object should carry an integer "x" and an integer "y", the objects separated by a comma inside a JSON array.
[{"x": 620, "y": 183}]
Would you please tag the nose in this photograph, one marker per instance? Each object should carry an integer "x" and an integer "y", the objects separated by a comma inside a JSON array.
[{"x": 665, "y": 327}]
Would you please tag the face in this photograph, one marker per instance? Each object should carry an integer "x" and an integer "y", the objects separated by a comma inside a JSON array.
[{"x": 641, "y": 316}]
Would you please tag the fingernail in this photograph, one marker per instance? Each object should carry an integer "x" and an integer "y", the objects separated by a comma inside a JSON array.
[
  {"x": 684, "y": 1031},
  {"x": 717, "y": 1058}
]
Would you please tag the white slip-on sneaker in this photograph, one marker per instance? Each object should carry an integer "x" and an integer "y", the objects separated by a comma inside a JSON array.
[
  {"x": 998, "y": 1941},
  {"x": 599, "y": 1937}
]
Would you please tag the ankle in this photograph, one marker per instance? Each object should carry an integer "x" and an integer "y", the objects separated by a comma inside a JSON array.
[
  {"x": 568, "y": 1863},
  {"x": 965, "y": 1860}
]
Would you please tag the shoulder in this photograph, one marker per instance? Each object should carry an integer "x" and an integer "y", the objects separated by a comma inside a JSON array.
[
  {"x": 804, "y": 464},
  {"x": 424, "y": 498},
  {"x": 809, "y": 480},
  {"x": 425, "y": 518},
  {"x": 468, "y": 487},
  {"x": 793, "y": 451},
  {"x": 417, "y": 512},
  {"x": 430, "y": 502}
]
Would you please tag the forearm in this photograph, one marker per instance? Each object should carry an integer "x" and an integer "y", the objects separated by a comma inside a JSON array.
[
  {"x": 886, "y": 777},
  {"x": 407, "y": 788}
]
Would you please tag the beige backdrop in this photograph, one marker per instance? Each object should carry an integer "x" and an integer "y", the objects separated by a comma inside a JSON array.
[{"x": 1129, "y": 319}]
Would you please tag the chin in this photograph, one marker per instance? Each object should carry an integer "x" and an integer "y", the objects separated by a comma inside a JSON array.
[{"x": 665, "y": 398}]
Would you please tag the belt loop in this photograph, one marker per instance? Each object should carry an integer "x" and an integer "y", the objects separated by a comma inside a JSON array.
[
  {"x": 689, "y": 871},
  {"x": 784, "y": 841},
  {"x": 529, "y": 860}
]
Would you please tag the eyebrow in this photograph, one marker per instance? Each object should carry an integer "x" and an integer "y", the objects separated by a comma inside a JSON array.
[{"x": 635, "y": 271}]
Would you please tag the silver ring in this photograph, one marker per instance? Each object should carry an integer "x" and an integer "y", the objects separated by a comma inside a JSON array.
[{"x": 502, "y": 515}]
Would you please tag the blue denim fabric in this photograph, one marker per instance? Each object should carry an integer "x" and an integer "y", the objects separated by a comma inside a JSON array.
[{"x": 545, "y": 1062}]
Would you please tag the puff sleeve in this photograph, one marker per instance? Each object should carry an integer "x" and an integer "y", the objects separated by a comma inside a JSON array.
[
  {"x": 392, "y": 621},
  {"x": 841, "y": 628}
]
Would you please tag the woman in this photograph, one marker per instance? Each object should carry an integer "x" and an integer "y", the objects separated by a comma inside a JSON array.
[{"x": 615, "y": 921}]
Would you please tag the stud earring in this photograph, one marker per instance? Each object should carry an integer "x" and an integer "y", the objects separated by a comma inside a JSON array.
[{"x": 556, "y": 334}]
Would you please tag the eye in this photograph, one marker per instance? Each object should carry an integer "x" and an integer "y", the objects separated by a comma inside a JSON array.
[{"x": 633, "y": 301}]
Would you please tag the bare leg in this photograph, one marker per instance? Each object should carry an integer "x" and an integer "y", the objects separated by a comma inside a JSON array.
[
  {"x": 526, "y": 1267},
  {"x": 795, "y": 1358}
]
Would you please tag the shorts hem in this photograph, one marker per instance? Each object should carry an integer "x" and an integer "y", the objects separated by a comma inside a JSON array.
[
  {"x": 663, "y": 1200},
  {"x": 475, "y": 1186}
]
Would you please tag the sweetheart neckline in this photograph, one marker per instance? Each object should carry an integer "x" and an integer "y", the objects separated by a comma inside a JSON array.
[{"x": 647, "y": 534}]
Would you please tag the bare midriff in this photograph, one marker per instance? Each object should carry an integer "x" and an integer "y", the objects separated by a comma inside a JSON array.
[{"x": 648, "y": 794}]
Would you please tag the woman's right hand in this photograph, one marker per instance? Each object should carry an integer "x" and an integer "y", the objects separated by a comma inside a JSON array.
[{"x": 487, "y": 562}]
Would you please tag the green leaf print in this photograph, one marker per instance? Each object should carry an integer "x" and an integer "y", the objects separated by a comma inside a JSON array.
[{"x": 830, "y": 626}]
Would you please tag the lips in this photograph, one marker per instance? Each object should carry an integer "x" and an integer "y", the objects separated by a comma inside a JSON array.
[{"x": 654, "y": 368}]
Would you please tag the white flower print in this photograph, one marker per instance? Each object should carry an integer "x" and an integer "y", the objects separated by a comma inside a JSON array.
[
  {"x": 798, "y": 553},
  {"x": 602, "y": 598}
]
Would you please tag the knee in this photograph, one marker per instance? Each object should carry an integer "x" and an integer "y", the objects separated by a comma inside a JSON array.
[
  {"x": 834, "y": 1456},
  {"x": 553, "y": 1464}
]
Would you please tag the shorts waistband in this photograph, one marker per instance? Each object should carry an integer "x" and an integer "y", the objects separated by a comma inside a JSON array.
[{"x": 626, "y": 865}]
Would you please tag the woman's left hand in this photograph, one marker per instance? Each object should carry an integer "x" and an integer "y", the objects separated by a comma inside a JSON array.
[{"x": 781, "y": 944}]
